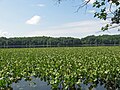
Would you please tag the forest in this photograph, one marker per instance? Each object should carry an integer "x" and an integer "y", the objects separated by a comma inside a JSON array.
[{"x": 43, "y": 41}]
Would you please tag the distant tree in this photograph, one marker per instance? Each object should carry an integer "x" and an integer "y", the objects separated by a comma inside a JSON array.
[
  {"x": 101, "y": 40},
  {"x": 105, "y": 11}
]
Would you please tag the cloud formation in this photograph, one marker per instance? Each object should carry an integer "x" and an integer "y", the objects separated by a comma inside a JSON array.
[
  {"x": 91, "y": 11},
  {"x": 73, "y": 29},
  {"x": 34, "y": 20},
  {"x": 40, "y": 5},
  {"x": 3, "y": 33},
  {"x": 91, "y": 1}
]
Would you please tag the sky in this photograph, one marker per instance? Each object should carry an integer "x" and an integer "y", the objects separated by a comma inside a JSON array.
[{"x": 27, "y": 18}]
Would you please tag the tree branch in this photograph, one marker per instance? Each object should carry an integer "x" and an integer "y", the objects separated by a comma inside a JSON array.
[
  {"x": 82, "y": 5},
  {"x": 114, "y": 26}
]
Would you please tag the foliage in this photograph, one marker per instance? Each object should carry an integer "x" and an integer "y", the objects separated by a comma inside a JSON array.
[
  {"x": 101, "y": 40},
  {"x": 64, "y": 67},
  {"x": 38, "y": 41},
  {"x": 106, "y": 12},
  {"x": 59, "y": 42}
]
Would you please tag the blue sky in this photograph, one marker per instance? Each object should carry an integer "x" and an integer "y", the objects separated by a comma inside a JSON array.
[{"x": 23, "y": 18}]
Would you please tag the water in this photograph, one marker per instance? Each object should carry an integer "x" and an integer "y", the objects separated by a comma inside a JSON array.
[
  {"x": 37, "y": 84},
  {"x": 34, "y": 84}
]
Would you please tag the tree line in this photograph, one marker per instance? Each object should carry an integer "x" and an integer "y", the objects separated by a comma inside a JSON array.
[
  {"x": 39, "y": 41},
  {"x": 44, "y": 41},
  {"x": 102, "y": 40}
]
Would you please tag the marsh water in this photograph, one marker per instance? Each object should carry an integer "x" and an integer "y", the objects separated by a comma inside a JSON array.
[
  {"x": 34, "y": 84},
  {"x": 37, "y": 84}
]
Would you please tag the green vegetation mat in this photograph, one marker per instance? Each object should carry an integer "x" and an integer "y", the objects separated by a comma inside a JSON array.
[{"x": 65, "y": 67}]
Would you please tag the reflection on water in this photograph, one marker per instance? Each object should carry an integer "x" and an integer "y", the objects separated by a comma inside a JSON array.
[
  {"x": 34, "y": 84},
  {"x": 37, "y": 84}
]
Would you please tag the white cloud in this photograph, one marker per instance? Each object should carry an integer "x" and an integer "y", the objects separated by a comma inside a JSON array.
[
  {"x": 91, "y": 1},
  {"x": 74, "y": 29},
  {"x": 81, "y": 24},
  {"x": 3, "y": 33},
  {"x": 40, "y": 5},
  {"x": 34, "y": 20},
  {"x": 91, "y": 11}
]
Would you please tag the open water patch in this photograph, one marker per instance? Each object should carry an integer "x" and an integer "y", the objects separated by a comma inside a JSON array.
[
  {"x": 34, "y": 84},
  {"x": 37, "y": 84}
]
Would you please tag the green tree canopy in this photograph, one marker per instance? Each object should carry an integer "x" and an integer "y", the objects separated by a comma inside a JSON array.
[{"x": 105, "y": 11}]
